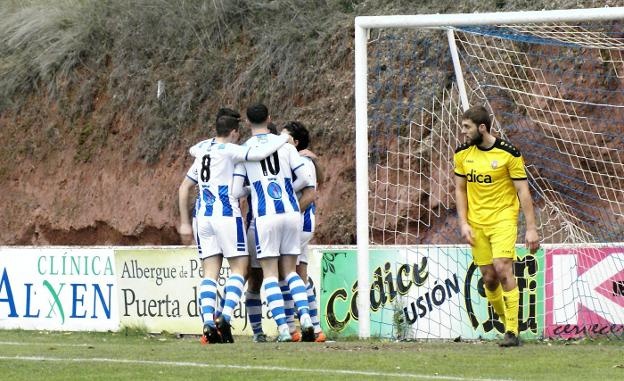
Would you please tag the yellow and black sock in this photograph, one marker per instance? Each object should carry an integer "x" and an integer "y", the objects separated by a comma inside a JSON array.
[
  {"x": 512, "y": 301},
  {"x": 496, "y": 300}
]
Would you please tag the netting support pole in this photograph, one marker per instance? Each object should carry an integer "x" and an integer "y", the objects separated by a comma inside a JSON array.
[
  {"x": 459, "y": 74},
  {"x": 361, "y": 178}
]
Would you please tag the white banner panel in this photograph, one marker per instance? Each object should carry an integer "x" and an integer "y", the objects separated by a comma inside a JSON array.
[
  {"x": 65, "y": 289},
  {"x": 432, "y": 280},
  {"x": 158, "y": 290}
]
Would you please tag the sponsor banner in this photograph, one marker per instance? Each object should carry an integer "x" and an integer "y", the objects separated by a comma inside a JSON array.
[
  {"x": 338, "y": 294},
  {"x": 68, "y": 289},
  {"x": 584, "y": 292},
  {"x": 158, "y": 290},
  {"x": 423, "y": 292},
  {"x": 430, "y": 284},
  {"x": 415, "y": 292}
]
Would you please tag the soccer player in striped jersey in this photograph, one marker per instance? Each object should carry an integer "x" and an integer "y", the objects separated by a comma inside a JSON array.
[
  {"x": 276, "y": 217},
  {"x": 306, "y": 193},
  {"x": 253, "y": 301},
  {"x": 300, "y": 138},
  {"x": 219, "y": 221},
  {"x": 186, "y": 234},
  {"x": 490, "y": 187},
  {"x": 193, "y": 151}
]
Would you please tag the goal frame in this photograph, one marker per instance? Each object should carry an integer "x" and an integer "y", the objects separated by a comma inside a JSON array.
[{"x": 363, "y": 26}]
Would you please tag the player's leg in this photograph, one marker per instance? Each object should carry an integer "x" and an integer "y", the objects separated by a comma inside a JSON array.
[
  {"x": 504, "y": 251},
  {"x": 299, "y": 295},
  {"x": 210, "y": 266},
  {"x": 275, "y": 301},
  {"x": 208, "y": 297},
  {"x": 482, "y": 255},
  {"x": 209, "y": 241},
  {"x": 319, "y": 336},
  {"x": 302, "y": 270},
  {"x": 212, "y": 259},
  {"x": 220, "y": 304},
  {"x": 253, "y": 302},
  {"x": 493, "y": 290},
  {"x": 511, "y": 297},
  {"x": 290, "y": 250},
  {"x": 233, "y": 291},
  {"x": 289, "y": 308},
  {"x": 231, "y": 240},
  {"x": 267, "y": 252}
]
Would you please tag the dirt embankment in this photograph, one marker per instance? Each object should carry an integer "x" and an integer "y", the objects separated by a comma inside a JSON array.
[
  {"x": 50, "y": 196},
  {"x": 89, "y": 157}
]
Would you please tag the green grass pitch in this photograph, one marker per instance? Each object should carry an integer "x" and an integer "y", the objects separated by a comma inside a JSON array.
[{"x": 27, "y": 355}]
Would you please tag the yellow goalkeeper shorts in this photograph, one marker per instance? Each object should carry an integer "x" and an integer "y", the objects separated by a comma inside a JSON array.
[{"x": 494, "y": 241}]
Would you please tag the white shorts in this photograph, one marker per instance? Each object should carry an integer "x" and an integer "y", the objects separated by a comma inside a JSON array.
[
  {"x": 221, "y": 235},
  {"x": 194, "y": 226},
  {"x": 277, "y": 234},
  {"x": 306, "y": 237}
]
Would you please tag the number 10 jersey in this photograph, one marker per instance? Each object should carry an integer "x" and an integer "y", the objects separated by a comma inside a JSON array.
[{"x": 271, "y": 179}]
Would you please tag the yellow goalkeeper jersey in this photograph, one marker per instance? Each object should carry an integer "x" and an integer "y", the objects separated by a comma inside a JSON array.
[{"x": 489, "y": 175}]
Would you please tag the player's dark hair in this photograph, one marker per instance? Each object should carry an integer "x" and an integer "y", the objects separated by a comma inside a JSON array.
[
  {"x": 299, "y": 133},
  {"x": 257, "y": 113},
  {"x": 478, "y": 115},
  {"x": 272, "y": 128},
  {"x": 225, "y": 125},
  {"x": 225, "y": 111}
]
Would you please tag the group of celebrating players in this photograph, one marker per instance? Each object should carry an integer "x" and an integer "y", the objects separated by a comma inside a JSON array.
[{"x": 277, "y": 175}]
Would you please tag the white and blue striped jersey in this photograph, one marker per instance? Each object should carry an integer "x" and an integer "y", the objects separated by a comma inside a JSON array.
[
  {"x": 213, "y": 168},
  {"x": 308, "y": 170},
  {"x": 271, "y": 179}
]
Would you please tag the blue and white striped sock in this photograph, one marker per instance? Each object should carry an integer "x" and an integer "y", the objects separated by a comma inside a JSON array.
[
  {"x": 313, "y": 306},
  {"x": 299, "y": 294},
  {"x": 208, "y": 300},
  {"x": 275, "y": 302},
  {"x": 233, "y": 292},
  {"x": 289, "y": 306},
  {"x": 253, "y": 305},
  {"x": 220, "y": 304}
]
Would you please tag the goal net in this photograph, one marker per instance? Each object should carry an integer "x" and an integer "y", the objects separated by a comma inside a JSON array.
[{"x": 555, "y": 88}]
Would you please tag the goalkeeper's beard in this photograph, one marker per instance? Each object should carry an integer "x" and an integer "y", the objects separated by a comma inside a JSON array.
[{"x": 475, "y": 141}]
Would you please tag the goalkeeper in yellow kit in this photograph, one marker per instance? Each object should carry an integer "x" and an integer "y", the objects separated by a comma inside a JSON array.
[{"x": 490, "y": 187}]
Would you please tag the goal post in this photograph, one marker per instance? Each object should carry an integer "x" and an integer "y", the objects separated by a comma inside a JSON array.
[{"x": 545, "y": 109}]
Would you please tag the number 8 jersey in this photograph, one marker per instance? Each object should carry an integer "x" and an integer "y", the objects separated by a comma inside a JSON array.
[
  {"x": 212, "y": 170},
  {"x": 271, "y": 179}
]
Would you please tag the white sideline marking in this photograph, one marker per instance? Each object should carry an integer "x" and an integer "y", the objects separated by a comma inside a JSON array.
[
  {"x": 245, "y": 367},
  {"x": 49, "y": 344}
]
